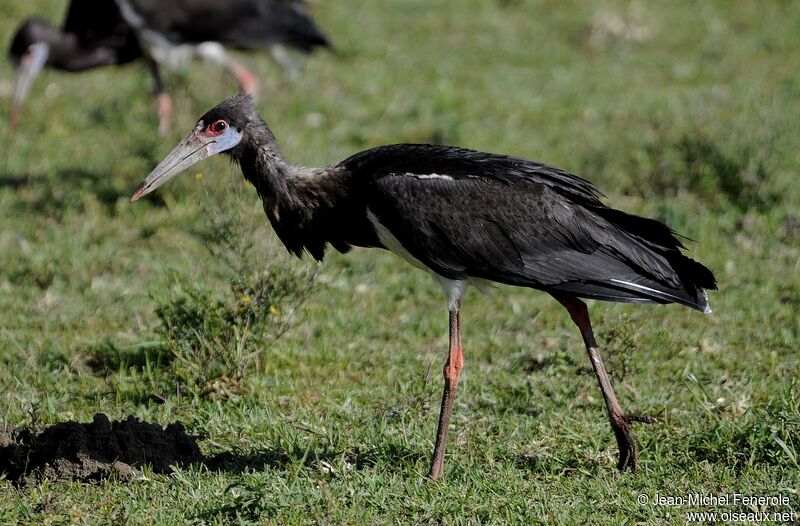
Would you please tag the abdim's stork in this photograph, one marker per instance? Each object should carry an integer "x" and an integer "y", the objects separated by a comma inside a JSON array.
[
  {"x": 462, "y": 215},
  {"x": 167, "y": 32}
]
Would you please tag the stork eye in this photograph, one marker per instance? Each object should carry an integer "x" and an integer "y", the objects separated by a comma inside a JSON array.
[{"x": 219, "y": 126}]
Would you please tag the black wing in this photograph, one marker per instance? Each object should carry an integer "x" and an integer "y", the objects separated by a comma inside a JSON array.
[
  {"x": 461, "y": 163},
  {"x": 467, "y": 214},
  {"x": 238, "y": 23}
]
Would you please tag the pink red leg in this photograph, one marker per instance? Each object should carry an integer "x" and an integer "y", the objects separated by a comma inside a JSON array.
[
  {"x": 164, "y": 103},
  {"x": 246, "y": 79},
  {"x": 452, "y": 369}
]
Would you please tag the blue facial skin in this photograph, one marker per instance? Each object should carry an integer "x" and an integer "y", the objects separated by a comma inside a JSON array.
[
  {"x": 227, "y": 140},
  {"x": 203, "y": 142}
]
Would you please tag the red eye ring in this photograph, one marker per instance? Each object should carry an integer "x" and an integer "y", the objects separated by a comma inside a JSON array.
[{"x": 217, "y": 127}]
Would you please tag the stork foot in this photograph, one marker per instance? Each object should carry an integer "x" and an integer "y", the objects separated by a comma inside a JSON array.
[{"x": 620, "y": 424}]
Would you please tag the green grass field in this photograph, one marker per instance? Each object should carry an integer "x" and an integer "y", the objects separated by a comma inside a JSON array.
[{"x": 316, "y": 387}]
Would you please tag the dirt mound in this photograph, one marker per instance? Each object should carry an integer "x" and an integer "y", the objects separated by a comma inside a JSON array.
[{"x": 84, "y": 452}]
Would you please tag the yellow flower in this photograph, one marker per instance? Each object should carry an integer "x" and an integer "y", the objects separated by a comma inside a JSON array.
[
  {"x": 246, "y": 299},
  {"x": 273, "y": 309},
  {"x": 198, "y": 176}
]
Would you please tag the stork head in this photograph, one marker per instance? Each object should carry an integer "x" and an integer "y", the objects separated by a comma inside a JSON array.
[
  {"x": 224, "y": 128},
  {"x": 29, "y": 52}
]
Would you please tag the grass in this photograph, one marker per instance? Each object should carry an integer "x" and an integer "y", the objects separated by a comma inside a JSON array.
[{"x": 683, "y": 111}]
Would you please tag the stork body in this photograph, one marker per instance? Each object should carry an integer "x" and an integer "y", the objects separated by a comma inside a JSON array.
[
  {"x": 167, "y": 33},
  {"x": 462, "y": 215}
]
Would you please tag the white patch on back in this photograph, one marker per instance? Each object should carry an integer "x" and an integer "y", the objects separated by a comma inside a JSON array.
[{"x": 430, "y": 176}]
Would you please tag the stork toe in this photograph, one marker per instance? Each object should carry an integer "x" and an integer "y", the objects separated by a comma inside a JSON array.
[{"x": 625, "y": 443}]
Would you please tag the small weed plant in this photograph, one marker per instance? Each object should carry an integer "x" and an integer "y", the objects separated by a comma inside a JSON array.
[{"x": 216, "y": 338}]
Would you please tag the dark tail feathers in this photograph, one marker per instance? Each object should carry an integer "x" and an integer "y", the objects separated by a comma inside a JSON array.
[{"x": 658, "y": 237}]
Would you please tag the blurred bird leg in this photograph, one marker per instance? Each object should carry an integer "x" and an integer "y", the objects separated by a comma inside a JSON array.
[
  {"x": 32, "y": 63},
  {"x": 619, "y": 420},
  {"x": 13, "y": 121},
  {"x": 215, "y": 53},
  {"x": 282, "y": 57},
  {"x": 164, "y": 102},
  {"x": 246, "y": 79}
]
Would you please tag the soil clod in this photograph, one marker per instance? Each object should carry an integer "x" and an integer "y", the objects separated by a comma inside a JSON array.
[{"x": 94, "y": 451}]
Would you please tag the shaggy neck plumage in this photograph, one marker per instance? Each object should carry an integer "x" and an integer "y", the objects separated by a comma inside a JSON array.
[
  {"x": 295, "y": 199},
  {"x": 263, "y": 165}
]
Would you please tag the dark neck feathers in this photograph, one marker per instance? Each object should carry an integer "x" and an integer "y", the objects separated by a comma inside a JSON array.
[{"x": 298, "y": 201}]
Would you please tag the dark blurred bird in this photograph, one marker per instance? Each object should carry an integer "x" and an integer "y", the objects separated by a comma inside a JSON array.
[
  {"x": 165, "y": 32},
  {"x": 464, "y": 216}
]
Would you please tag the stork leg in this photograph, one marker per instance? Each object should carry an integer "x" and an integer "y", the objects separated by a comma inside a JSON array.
[
  {"x": 246, "y": 79},
  {"x": 215, "y": 53},
  {"x": 619, "y": 420},
  {"x": 163, "y": 100},
  {"x": 452, "y": 368}
]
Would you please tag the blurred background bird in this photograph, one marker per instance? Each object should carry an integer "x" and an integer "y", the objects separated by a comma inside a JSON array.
[{"x": 164, "y": 33}]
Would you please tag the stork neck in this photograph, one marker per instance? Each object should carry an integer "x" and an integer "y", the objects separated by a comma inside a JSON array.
[
  {"x": 284, "y": 187},
  {"x": 301, "y": 203},
  {"x": 276, "y": 181},
  {"x": 266, "y": 169},
  {"x": 295, "y": 198}
]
